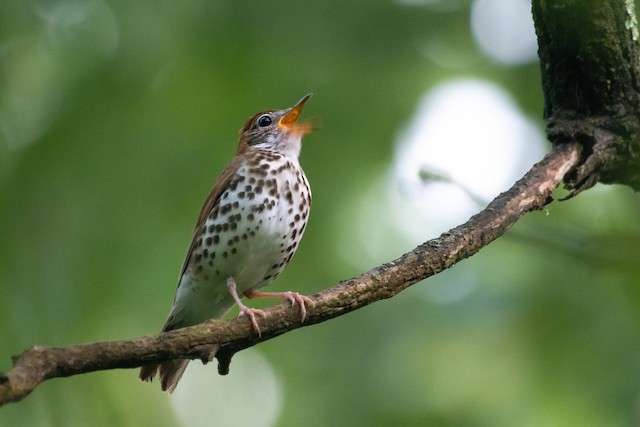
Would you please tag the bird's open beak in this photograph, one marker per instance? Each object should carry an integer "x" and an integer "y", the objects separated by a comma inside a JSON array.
[{"x": 288, "y": 121}]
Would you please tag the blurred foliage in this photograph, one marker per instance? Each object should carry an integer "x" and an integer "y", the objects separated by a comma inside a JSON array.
[{"x": 116, "y": 118}]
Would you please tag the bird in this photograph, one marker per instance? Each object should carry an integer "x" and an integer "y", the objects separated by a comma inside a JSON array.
[{"x": 247, "y": 232}]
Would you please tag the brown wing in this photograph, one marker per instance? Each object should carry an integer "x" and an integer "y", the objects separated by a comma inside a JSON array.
[{"x": 212, "y": 200}]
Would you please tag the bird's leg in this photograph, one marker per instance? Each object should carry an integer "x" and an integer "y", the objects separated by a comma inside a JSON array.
[
  {"x": 244, "y": 310},
  {"x": 292, "y": 297}
]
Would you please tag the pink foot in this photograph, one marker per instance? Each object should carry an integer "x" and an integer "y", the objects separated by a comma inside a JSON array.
[
  {"x": 244, "y": 310},
  {"x": 251, "y": 314},
  {"x": 291, "y": 296}
]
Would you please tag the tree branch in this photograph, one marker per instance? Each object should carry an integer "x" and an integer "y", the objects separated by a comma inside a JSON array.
[{"x": 532, "y": 192}]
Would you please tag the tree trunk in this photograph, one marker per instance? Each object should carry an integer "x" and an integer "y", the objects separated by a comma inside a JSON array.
[{"x": 590, "y": 65}]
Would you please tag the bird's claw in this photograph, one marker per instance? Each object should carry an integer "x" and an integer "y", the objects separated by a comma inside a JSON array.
[
  {"x": 251, "y": 314},
  {"x": 301, "y": 300}
]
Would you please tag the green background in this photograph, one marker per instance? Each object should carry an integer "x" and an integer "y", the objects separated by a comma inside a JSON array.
[{"x": 116, "y": 119}]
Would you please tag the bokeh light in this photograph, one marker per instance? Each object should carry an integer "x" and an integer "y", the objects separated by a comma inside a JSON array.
[
  {"x": 504, "y": 30},
  {"x": 249, "y": 397}
]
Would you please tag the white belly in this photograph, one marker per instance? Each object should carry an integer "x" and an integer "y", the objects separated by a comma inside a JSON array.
[{"x": 251, "y": 235}]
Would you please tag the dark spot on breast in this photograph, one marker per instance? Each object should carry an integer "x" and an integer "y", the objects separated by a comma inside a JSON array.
[
  {"x": 259, "y": 171},
  {"x": 233, "y": 251},
  {"x": 208, "y": 241},
  {"x": 297, "y": 217},
  {"x": 216, "y": 239},
  {"x": 244, "y": 236},
  {"x": 225, "y": 254},
  {"x": 241, "y": 195},
  {"x": 258, "y": 189},
  {"x": 212, "y": 255},
  {"x": 236, "y": 204},
  {"x": 252, "y": 180},
  {"x": 251, "y": 196},
  {"x": 296, "y": 187}
]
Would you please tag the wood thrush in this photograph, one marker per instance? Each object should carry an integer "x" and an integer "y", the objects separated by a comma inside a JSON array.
[{"x": 247, "y": 231}]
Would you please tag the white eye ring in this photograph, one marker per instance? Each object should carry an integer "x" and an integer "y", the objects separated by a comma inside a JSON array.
[{"x": 264, "y": 120}]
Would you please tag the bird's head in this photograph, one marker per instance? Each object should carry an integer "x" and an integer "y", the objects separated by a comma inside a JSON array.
[{"x": 275, "y": 130}]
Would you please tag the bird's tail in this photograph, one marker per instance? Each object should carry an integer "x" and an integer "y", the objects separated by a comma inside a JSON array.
[{"x": 170, "y": 373}]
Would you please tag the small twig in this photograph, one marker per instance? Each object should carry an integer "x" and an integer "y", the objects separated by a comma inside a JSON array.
[{"x": 532, "y": 192}]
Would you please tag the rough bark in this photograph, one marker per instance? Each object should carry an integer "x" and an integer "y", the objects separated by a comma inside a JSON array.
[{"x": 590, "y": 65}]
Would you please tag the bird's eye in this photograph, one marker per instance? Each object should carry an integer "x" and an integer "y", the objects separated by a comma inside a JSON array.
[{"x": 264, "y": 120}]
